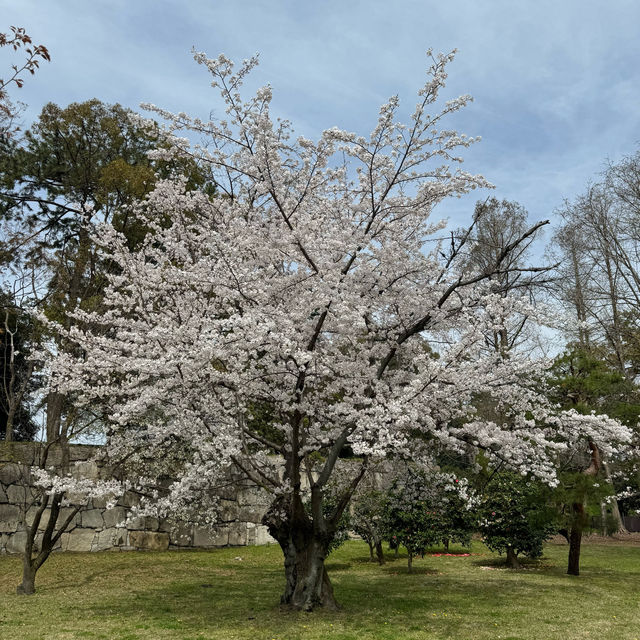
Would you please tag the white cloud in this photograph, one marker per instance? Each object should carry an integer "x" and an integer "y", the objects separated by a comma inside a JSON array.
[{"x": 556, "y": 84}]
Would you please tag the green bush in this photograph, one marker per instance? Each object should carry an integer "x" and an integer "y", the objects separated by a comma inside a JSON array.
[
  {"x": 424, "y": 509},
  {"x": 516, "y": 515}
]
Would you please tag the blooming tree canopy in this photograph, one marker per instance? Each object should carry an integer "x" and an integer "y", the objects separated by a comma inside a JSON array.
[{"x": 309, "y": 305}]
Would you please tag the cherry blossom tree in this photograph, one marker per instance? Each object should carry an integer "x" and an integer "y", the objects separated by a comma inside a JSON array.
[{"x": 310, "y": 306}]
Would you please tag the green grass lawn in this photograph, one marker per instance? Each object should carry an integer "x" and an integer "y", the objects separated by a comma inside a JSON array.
[{"x": 233, "y": 593}]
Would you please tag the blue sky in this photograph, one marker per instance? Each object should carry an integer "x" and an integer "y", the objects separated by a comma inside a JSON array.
[{"x": 556, "y": 84}]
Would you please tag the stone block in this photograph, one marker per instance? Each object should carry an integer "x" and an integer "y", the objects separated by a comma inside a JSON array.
[
  {"x": 228, "y": 510},
  {"x": 99, "y": 503},
  {"x": 65, "y": 512},
  {"x": 10, "y": 513},
  {"x": 85, "y": 469},
  {"x": 181, "y": 535},
  {"x": 251, "y": 513},
  {"x": 16, "y": 542},
  {"x": 262, "y": 535},
  {"x": 78, "y": 539},
  {"x": 112, "y": 538},
  {"x": 76, "y": 498},
  {"x": 114, "y": 517},
  {"x": 22, "y": 452},
  {"x": 238, "y": 534},
  {"x": 10, "y": 517},
  {"x": 109, "y": 538},
  {"x": 17, "y": 494},
  {"x": 81, "y": 452},
  {"x": 203, "y": 537},
  {"x": 135, "y": 523},
  {"x": 54, "y": 457},
  {"x": 104, "y": 540},
  {"x": 121, "y": 539},
  {"x": 166, "y": 525},
  {"x": 92, "y": 518},
  {"x": 3, "y": 494},
  {"x": 11, "y": 472},
  {"x": 149, "y": 540},
  {"x": 128, "y": 499},
  {"x": 142, "y": 523},
  {"x": 64, "y": 540}
]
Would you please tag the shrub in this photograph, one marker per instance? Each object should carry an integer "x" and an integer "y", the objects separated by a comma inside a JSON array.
[
  {"x": 516, "y": 516},
  {"x": 425, "y": 508}
]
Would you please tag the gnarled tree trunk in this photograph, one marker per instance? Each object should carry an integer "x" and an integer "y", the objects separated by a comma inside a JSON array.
[
  {"x": 307, "y": 583},
  {"x": 305, "y": 549}
]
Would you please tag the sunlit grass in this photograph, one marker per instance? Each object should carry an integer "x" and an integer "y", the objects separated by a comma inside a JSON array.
[{"x": 233, "y": 593}]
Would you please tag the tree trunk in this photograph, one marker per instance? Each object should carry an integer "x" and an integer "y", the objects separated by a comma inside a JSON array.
[
  {"x": 575, "y": 539},
  {"x": 32, "y": 556},
  {"x": 446, "y": 545},
  {"x": 28, "y": 585},
  {"x": 371, "y": 558},
  {"x": 512, "y": 558},
  {"x": 55, "y": 403},
  {"x": 410, "y": 562},
  {"x": 30, "y": 562},
  {"x": 380, "y": 552},
  {"x": 8, "y": 433},
  {"x": 307, "y": 584},
  {"x": 579, "y": 515},
  {"x": 615, "y": 510}
]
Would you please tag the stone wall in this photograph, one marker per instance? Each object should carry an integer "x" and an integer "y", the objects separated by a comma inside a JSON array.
[{"x": 96, "y": 528}]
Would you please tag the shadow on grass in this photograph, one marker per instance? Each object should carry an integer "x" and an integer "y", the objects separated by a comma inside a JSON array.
[
  {"x": 196, "y": 606},
  {"x": 526, "y": 564}
]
